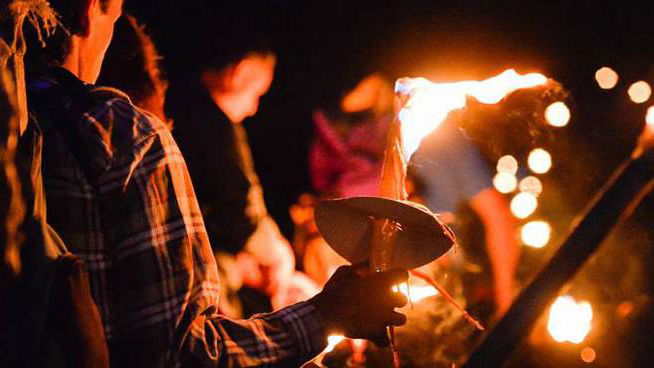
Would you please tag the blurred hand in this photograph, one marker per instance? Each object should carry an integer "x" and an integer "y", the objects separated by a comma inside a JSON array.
[
  {"x": 361, "y": 306},
  {"x": 250, "y": 270},
  {"x": 274, "y": 257}
]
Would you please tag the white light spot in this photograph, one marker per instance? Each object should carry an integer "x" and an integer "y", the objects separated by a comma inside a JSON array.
[
  {"x": 606, "y": 77},
  {"x": 639, "y": 92},
  {"x": 535, "y": 234},
  {"x": 523, "y": 205},
  {"x": 557, "y": 114},
  {"x": 507, "y": 164},
  {"x": 505, "y": 182},
  {"x": 569, "y": 320},
  {"x": 531, "y": 184},
  {"x": 539, "y": 161}
]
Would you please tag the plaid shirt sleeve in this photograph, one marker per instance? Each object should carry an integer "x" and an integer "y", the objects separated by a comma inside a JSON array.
[
  {"x": 285, "y": 338},
  {"x": 157, "y": 281}
]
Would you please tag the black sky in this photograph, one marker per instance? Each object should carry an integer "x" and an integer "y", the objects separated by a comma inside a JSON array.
[{"x": 323, "y": 44}]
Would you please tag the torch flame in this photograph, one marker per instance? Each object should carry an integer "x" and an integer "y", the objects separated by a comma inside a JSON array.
[
  {"x": 416, "y": 293},
  {"x": 569, "y": 320},
  {"x": 429, "y": 103}
]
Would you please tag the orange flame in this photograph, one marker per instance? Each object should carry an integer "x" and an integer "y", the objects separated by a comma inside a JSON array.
[
  {"x": 416, "y": 293},
  {"x": 429, "y": 103}
]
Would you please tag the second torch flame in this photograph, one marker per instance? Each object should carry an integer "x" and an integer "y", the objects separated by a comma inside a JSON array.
[{"x": 429, "y": 103}]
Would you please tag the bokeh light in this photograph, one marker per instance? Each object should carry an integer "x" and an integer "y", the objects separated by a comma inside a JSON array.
[
  {"x": 557, "y": 114},
  {"x": 539, "y": 161},
  {"x": 606, "y": 77},
  {"x": 505, "y": 182},
  {"x": 588, "y": 355},
  {"x": 535, "y": 234},
  {"x": 649, "y": 118},
  {"x": 639, "y": 92},
  {"x": 507, "y": 164},
  {"x": 523, "y": 205},
  {"x": 569, "y": 320},
  {"x": 531, "y": 184}
]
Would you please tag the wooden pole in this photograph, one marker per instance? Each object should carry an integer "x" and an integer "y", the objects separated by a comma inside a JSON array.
[
  {"x": 623, "y": 192},
  {"x": 392, "y": 186}
]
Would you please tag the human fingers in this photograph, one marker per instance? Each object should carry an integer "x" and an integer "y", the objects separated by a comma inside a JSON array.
[
  {"x": 362, "y": 268},
  {"x": 343, "y": 273},
  {"x": 380, "y": 338},
  {"x": 396, "y": 319},
  {"x": 383, "y": 283},
  {"x": 393, "y": 277},
  {"x": 398, "y": 300}
]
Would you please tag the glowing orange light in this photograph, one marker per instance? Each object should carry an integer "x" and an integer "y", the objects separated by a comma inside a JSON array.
[
  {"x": 523, "y": 205},
  {"x": 649, "y": 118},
  {"x": 507, "y": 164},
  {"x": 569, "y": 320},
  {"x": 535, "y": 234},
  {"x": 539, "y": 161},
  {"x": 416, "y": 293},
  {"x": 531, "y": 184},
  {"x": 429, "y": 103},
  {"x": 606, "y": 77},
  {"x": 505, "y": 182},
  {"x": 588, "y": 355},
  {"x": 639, "y": 92},
  {"x": 624, "y": 309},
  {"x": 332, "y": 341},
  {"x": 557, "y": 114}
]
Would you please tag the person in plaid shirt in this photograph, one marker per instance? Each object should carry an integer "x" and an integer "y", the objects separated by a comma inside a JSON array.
[{"x": 120, "y": 196}]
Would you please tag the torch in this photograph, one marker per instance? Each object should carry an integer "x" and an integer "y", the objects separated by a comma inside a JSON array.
[
  {"x": 389, "y": 231},
  {"x": 621, "y": 194}
]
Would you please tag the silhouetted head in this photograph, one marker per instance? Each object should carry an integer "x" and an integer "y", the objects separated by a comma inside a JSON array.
[
  {"x": 82, "y": 38},
  {"x": 237, "y": 87}
]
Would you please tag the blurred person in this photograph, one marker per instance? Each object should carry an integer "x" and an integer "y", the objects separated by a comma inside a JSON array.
[
  {"x": 347, "y": 152},
  {"x": 317, "y": 259},
  {"x": 453, "y": 173},
  {"x": 120, "y": 195},
  {"x": 345, "y": 160},
  {"x": 131, "y": 64},
  {"x": 209, "y": 106},
  {"x": 448, "y": 171}
]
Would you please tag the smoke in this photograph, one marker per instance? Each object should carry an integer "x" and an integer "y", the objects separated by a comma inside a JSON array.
[{"x": 436, "y": 335}]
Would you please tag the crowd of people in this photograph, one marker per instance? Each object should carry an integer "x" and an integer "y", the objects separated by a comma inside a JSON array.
[{"x": 139, "y": 234}]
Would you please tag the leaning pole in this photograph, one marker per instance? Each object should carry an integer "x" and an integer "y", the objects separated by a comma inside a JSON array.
[{"x": 620, "y": 195}]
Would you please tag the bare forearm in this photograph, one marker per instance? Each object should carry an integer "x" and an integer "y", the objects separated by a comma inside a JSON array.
[
  {"x": 504, "y": 254},
  {"x": 501, "y": 242}
]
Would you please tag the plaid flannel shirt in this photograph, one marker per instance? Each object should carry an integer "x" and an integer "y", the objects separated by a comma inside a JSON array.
[{"x": 119, "y": 194}]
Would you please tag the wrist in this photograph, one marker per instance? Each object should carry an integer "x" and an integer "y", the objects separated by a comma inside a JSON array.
[
  {"x": 318, "y": 304},
  {"x": 307, "y": 327}
]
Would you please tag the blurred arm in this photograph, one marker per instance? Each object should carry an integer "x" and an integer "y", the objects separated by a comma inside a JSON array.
[{"x": 501, "y": 243}]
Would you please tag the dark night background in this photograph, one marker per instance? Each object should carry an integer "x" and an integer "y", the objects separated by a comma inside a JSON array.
[{"x": 323, "y": 46}]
